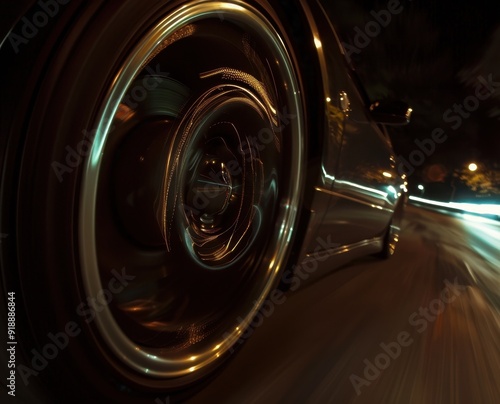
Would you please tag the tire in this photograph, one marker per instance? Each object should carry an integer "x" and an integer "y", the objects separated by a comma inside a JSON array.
[
  {"x": 393, "y": 232},
  {"x": 390, "y": 240},
  {"x": 157, "y": 159}
]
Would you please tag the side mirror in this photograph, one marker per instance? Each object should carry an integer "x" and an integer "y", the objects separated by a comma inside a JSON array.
[{"x": 391, "y": 112}]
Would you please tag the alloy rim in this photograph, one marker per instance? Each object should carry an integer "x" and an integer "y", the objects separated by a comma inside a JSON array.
[{"x": 192, "y": 187}]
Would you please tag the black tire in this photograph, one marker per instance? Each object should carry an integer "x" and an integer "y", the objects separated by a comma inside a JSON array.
[
  {"x": 393, "y": 232},
  {"x": 391, "y": 237},
  {"x": 151, "y": 193}
]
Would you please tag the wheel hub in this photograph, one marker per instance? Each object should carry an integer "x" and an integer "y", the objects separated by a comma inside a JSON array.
[{"x": 195, "y": 190}]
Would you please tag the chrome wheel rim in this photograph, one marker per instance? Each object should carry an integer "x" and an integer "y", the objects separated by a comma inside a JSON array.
[{"x": 192, "y": 186}]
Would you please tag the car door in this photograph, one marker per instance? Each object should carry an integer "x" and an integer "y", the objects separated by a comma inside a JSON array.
[{"x": 365, "y": 186}]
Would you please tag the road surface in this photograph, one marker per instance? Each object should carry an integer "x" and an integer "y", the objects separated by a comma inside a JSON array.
[{"x": 421, "y": 328}]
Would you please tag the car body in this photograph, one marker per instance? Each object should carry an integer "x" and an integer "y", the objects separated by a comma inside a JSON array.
[{"x": 165, "y": 168}]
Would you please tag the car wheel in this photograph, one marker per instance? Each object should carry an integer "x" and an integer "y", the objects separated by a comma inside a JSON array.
[
  {"x": 390, "y": 240},
  {"x": 393, "y": 232},
  {"x": 158, "y": 175}
]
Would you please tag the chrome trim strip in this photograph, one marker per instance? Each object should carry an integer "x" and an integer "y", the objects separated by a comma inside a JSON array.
[
  {"x": 350, "y": 198},
  {"x": 375, "y": 242}
]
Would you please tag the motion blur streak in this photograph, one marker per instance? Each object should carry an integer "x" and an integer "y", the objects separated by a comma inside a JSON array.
[
  {"x": 324, "y": 333},
  {"x": 484, "y": 209}
]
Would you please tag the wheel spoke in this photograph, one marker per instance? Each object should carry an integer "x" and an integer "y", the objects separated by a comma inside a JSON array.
[{"x": 196, "y": 186}]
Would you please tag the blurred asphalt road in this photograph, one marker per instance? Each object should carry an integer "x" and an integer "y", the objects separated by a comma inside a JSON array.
[{"x": 423, "y": 327}]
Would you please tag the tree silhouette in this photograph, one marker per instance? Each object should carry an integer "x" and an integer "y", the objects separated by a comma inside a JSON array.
[{"x": 483, "y": 180}]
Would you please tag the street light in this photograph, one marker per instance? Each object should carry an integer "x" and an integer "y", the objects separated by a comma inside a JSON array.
[{"x": 472, "y": 168}]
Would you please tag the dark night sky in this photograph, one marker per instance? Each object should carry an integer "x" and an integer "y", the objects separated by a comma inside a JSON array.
[{"x": 431, "y": 55}]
